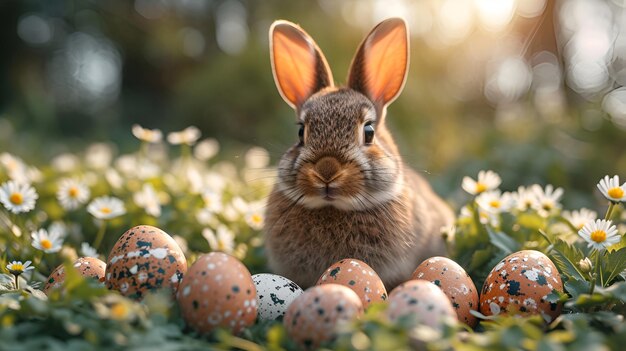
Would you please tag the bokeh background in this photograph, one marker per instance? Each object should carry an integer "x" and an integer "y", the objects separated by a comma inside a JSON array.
[{"x": 529, "y": 88}]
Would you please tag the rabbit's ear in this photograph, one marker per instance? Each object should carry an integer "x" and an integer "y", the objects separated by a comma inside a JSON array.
[
  {"x": 381, "y": 63},
  {"x": 300, "y": 69}
]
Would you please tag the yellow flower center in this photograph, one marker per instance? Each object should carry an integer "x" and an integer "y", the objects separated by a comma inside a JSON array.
[
  {"x": 616, "y": 193},
  {"x": 256, "y": 218},
  {"x": 105, "y": 210},
  {"x": 598, "y": 236},
  {"x": 480, "y": 187},
  {"x": 46, "y": 244},
  {"x": 16, "y": 198},
  {"x": 17, "y": 267},
  {"x": 494, "y": 203},
  {"x": 73, "y": 192},
  {"x": 119, "y": 311}
]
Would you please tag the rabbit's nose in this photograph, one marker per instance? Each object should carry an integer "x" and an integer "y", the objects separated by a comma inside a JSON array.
[{"x": 328, "y": 168}]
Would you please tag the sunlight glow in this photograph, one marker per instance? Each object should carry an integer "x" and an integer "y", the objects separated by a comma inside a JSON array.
[{"x": 494, "y": 15}]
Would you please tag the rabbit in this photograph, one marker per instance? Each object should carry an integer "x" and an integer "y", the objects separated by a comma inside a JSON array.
[{"x": 343, "y": 190}]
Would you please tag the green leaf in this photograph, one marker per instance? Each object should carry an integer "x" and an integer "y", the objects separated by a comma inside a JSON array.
[
  {"x": 576, "y": 287},
  {"x": 502, "y": 241},
  {"x": 6, "y": 282},
  {"x": 566, "y": 258},
  {"x": 614, "y": 265},
  {"x": 617, "y": 291}
]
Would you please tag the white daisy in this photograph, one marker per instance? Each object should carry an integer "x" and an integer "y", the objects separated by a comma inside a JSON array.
[
  {"x": 72, "y": 193},
  {"x": 485, "y": 217},
  {"x": 18, "y": 197},
  {"x": 206, "y": 149},
  {"x": 487, "y": 180},
  {"x": 611, "y": 189},
  {"x": 17, "y": 267},
  {"x": 99, "y": 156},
  {"x": 255, "y": 219},
  {"x": 494, "y": 202},
  {"x": 257, "y": 158},
  {"x": 58, "y": 227},
  {"x": 87, "y": 251},
  {"x": 223, "y": 241},
  {"x": 212, "y": 201},
  {"x": 19, "y": 171},
  {"x": 187, "y": 136},
  {"x": 147, "y": 135},
  {"x": 207, "y": 217},
  {"x": 106, "y": 207},
  {"x": 600, "y": 234},
  {"x": 255, "y": 216},
  {"x": 524, "y": 199},
  {"x": 65, "y": 163},
  {"x": 46, "y": 242},
  {"x": 148, "y": 199},
  {"x": 578, "y": 218},
  {"x": 547, "y": 199}
]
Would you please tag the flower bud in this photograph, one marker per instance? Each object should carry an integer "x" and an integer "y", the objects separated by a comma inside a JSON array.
[{"x": 585, "y": 265}]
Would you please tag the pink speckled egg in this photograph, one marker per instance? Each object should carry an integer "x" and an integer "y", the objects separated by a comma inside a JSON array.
[
  {"x": 144, "y": 259},
  {"x": 314, "y": 317},
  {"x": 218, "y": 291},
  {"x": 359, "y": 277},
  {"x": 520, "y": 284},
  {"x": 422, "y": 299},
  {"x": 88, "y": 267},
  {"x": 454, "y": 282}
]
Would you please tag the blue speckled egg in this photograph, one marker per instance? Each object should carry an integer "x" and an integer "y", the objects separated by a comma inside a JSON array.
[{"x": 274, "y": 295}]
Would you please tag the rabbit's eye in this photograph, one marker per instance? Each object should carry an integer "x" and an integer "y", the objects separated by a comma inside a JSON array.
[
  {"x": 301, "y": 134},
  {"x": 368, "y": 132}
]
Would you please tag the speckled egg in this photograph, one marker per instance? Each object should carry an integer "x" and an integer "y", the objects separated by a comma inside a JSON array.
[
  {"x": 217, "y": 291},
  {"x": 144, "y": 259},
  {"x": 359, "y": 277},
  {"x": 314, "y": 317},
  {"x": 422, "y": 299},
  {"x": 520, "y": 284},
  {"x": 88, "y": 267},
  {"x": 274, "y": 295},
  {"x": 454, "y": 282}
]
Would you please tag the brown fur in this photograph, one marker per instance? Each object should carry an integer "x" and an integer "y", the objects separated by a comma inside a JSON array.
[{"x": 338, "y": 197}]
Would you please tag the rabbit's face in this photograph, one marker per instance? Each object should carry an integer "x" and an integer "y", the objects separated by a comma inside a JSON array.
[{"x": 345, "y": 157}]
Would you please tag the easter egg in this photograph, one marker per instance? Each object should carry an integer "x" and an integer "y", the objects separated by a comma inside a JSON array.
[
  {"x": 274, "y": 295},
  {"x": 315, "y": 316},
  {"x": 359, "y": 277},
  {"x": 217, "y": 291},
  {"x": 144, "y": 259},
  {"x": 520, "y": 284},
  {"x": 422, "y": 300},
  {"x": 454, "y": 282},
  {"x": 88, "y": 267}
]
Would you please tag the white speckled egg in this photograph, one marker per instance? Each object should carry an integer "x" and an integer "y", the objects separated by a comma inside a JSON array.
[
  {"x": 520, "y": 285},
  {"x": 274, "y": 295},
  {"x": 315, "y": 316},
  {"x": 454, "y": 282},
  {"x": 422, "y": 299},
  {"x": 144, "y": 259},
  {"x": 88, "y": 267},
  {"x": 217, "y": 291}
]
